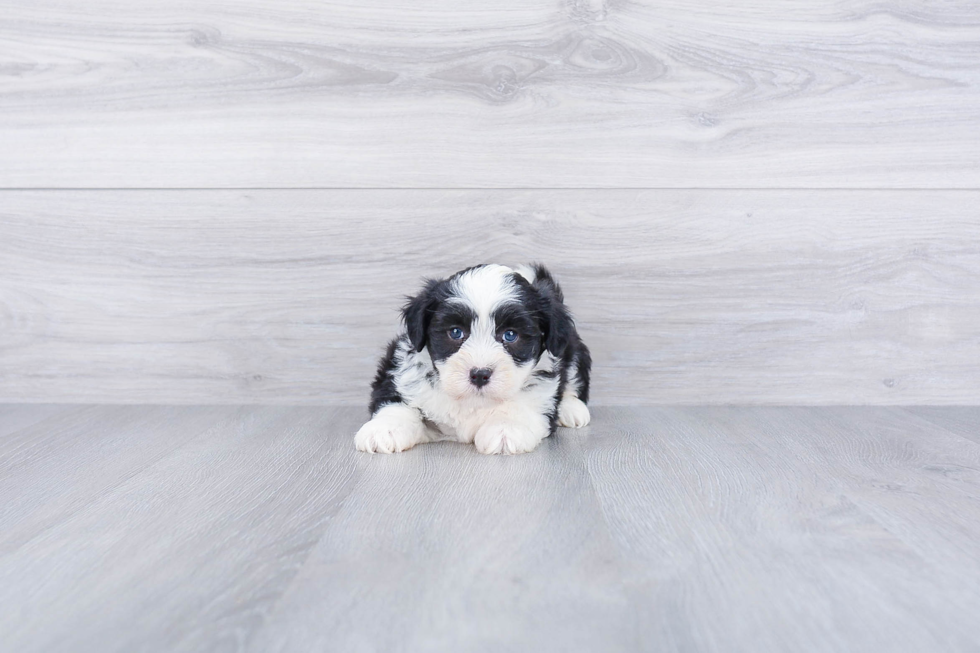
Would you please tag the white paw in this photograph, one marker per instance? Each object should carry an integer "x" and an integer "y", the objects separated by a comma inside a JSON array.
[
  {"x": 506, "y": 438},
  {"x": 572, "y": 412},
  {"x": 392, "y": 429}
]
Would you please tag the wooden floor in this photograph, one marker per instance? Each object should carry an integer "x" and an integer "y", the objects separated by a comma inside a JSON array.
[{"x": 130, "y": 528}]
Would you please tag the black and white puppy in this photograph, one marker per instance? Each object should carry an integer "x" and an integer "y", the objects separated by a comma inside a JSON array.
[{"x": 489, "y": 356}]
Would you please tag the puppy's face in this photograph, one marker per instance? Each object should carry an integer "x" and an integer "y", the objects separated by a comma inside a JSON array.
[{"x": 484, "y": 328}]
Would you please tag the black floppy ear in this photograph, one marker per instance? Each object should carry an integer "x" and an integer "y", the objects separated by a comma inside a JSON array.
[
  {"x": 417, "y": 313},
  {"x": 559, "y": 329}
]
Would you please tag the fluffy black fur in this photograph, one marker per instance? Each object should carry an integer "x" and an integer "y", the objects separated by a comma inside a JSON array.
[
  {"x": 562, "y": 338},
  {"x": 383, "y": 389}
]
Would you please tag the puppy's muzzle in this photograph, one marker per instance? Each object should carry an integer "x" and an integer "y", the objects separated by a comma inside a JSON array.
[{"x": 480, "y": 376}]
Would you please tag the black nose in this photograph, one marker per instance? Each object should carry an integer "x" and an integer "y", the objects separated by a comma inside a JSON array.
[{"x": 480, "y": 377}]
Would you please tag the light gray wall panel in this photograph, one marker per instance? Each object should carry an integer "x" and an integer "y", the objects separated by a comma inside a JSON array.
[
  {"x": 513, "y": 93},
  {"x": 800, "y": 297}
]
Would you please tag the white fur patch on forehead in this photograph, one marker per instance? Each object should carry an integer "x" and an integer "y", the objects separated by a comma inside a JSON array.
[{"x": 485, "y": 288}]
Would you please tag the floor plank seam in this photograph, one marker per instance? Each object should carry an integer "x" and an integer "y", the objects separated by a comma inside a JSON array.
[
  {"x": 925, "y": 421},
  {"x": 108, "y": 490},
  {"x": 327, "y": 521}
]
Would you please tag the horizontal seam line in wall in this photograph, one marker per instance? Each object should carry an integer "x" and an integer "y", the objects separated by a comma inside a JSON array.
[{"x": 480, "y": 188}]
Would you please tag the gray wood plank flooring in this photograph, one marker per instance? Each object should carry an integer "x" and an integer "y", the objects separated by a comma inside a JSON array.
[
  {"x": 194, "y": 547},
  {"x": 15, "y": 417},
  {"x": 516, "y": 93},
  {"x": 231, "y": 297},
  {"x": 654, "y": 529},
  {"x": 964, "y": 420}
]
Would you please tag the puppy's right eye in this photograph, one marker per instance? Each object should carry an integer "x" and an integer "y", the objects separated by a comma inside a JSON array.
[{"x": 456, "y": 333}]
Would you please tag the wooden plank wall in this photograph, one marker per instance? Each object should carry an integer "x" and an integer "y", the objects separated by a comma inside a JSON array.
[{"x": 208, "y": 202}]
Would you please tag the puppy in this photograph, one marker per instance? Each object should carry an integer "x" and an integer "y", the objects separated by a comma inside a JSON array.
[{"x": 489, "y": 356}]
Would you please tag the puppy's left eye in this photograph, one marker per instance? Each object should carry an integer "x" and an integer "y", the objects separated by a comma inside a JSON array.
[{"x": 510, "y": 335}]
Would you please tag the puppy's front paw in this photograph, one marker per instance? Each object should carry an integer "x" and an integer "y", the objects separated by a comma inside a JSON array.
[
  {"x": 506, "y": 438},
  {"x": 389, "y": 433},
  {"x": 572, "y": 412}
]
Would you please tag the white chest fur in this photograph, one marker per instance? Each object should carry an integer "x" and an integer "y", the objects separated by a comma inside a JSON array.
[{"x": 461, "y": 418}]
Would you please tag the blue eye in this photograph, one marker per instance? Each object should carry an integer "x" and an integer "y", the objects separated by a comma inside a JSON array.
[
  {"x": 510, "y": 335},
  {"x": 456, "y": 333}
]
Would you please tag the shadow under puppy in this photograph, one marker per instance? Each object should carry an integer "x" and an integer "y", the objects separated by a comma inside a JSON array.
[{"x": 489, "y": 356}]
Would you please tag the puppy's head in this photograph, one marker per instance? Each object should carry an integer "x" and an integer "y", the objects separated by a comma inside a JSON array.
[{"x": 485, "y": 329}]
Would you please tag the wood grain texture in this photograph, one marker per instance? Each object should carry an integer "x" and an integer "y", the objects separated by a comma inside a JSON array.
[
  {"x": 194, "y": 547},
  {"x": 463, "y": 552},
  {"x": 962, "y": 420},
  {"x": 749, "y": 529},
  {"x": 785, "y": 297},
  {"x": 520, "y": 93},
  {"x": 45, "y": 470},
  {"x": 714, "y": 529},
  {"x": 15, "y": 417}
]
